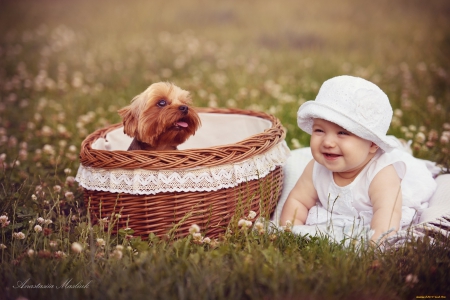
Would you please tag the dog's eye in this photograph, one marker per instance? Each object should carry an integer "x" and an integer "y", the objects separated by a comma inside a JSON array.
[{"x": 161, "y": 103}]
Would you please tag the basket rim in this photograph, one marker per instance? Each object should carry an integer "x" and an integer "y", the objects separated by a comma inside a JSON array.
[{"x": 188, "y": 158}]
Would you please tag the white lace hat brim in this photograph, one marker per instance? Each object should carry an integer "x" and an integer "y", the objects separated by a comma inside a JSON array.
[{"x": 311, "y": 110}]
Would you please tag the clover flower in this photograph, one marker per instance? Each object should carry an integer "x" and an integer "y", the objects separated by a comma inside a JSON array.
[
  {"x": 411, "y": 279},
  {"x": 40, "y": 220},
  {"x": 38, "y": 228},
  {"x": 57, "y": 188},
  {"x": 194, "y": 229},
  {"x": 420, "y": 137},
  {"x": 259, "y": 226},
  {"x": 117, "y": 254},
  {"x": 69, "y": 196},
  {"x": 197, "y": 238},
  {"x": 244, "y": 224},
  {"x": 288, "y": 227},
  {"x": 77, "y": 247},
  {"x": 48, "y": 149},
  {"x": 4, "y": 220},
  {"x": 70, "y": 180},
  {"x": 19, "y": 235},
  {"x": 445, "y": 137},
  {"x": 30, "y": 252},
  {"x": 59, "y": 254},
  {"x": 100, "y": 242},
  {"x": 251, "y": 215}
]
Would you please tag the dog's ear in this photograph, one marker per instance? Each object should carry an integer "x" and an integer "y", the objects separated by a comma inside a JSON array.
[{"x": 130, "y": 120}]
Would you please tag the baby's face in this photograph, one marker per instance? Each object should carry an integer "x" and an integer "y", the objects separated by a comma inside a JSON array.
[{"x": 338, "y": 149}]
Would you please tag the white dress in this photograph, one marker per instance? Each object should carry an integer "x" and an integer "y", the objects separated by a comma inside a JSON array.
[
  {"x": 346, "y": 212},
  {"x": 351, "y": 203}
]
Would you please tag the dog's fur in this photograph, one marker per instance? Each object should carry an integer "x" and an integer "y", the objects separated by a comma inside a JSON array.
[{"x": 160, "y": 118}]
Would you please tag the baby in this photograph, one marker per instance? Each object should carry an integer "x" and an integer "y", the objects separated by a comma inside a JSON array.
[{"x": 357, "y": 179}]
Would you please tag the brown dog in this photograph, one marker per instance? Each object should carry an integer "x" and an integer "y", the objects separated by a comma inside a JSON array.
[{"x": 160, "y": 118}]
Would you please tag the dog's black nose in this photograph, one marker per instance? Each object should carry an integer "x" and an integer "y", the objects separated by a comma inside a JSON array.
[{"x": 183, "y": 108}]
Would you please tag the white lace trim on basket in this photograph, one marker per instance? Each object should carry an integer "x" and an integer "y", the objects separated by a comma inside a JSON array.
[{"x": 148, "y": 182}]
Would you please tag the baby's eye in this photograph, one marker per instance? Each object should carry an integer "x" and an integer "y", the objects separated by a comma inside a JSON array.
[
  {"x": 161, "y": 103},
  {"x": 343, "y": 132},
  {"x": 317, "y": 130}
]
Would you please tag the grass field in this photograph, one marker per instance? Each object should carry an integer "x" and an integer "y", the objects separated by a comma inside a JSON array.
[{"x": 67, "y": 66}]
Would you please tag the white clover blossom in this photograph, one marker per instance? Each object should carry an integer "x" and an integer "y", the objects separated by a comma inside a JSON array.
[
  {"x": 48, "y": 149},
  {"x": 38, "y": 228},
  {"x": 30, "y": 252},
  {"x": 60, "y": 254},
  {"x": 420, "y": 137},
  {"x": 197, "y": 238},
  {"x": 251, "y": 215},
  {"x": 4, "y": 220},
  {"x": 259, "y": 225},
  {"x": 70, "y": 180},
  {"x": 244, "y": 224},
  {"x": 40, "y": 220},
  {"x": 57, "y": 188},
  {"x": 19, "y": 235},
  {"x": 2, "y": 246},
  {"x": 117, "y": 254},
  {"x": 101, "y": 242},
  {"x": 194, "y": 229},
  {"x": 48, "y": 221},
  {"x": 69, "y": 196},
  {"x": 288, "y": 226},
  {"x": 77, "y": 247},
  {"x": 411, "y": 279}
]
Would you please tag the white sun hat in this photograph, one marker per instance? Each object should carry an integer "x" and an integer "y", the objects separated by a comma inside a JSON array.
[{"x": 353, "y": 103}]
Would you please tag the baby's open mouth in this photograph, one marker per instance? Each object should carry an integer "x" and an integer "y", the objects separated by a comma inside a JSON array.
[{"x": 330, "y": 155}]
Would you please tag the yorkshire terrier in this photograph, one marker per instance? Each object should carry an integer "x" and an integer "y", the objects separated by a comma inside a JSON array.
[{"x": 160, "y": 118}]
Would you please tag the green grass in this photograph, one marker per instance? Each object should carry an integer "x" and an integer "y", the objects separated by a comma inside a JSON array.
[{"x": 67, "y": 66}]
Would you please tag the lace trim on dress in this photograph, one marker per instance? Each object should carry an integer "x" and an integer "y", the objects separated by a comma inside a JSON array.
[{"x": 149, "y": 182}]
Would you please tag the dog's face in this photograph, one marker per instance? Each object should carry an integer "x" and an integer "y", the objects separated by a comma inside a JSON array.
[{"x": 161, "y": 117}]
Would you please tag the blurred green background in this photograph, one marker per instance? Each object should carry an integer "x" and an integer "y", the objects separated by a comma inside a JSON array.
[{"x": 95, "y": 56}]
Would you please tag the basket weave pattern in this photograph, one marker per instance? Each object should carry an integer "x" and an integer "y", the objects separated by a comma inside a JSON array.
[{"x": 211, "y": 210}]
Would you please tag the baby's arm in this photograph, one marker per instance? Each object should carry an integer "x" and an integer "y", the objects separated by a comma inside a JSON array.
[
  {"x": 386, "y": 197},
  {"x": 302, "y": 197}
]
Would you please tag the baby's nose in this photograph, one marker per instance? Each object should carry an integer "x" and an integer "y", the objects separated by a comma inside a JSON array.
[{"x": 329, "y": 142}]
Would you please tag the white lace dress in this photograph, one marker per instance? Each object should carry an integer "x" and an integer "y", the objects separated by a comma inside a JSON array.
[{"x": 346, "y": 212}]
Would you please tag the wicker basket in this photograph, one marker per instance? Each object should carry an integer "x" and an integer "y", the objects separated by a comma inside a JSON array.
[{"x": 176, "y": 211}]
